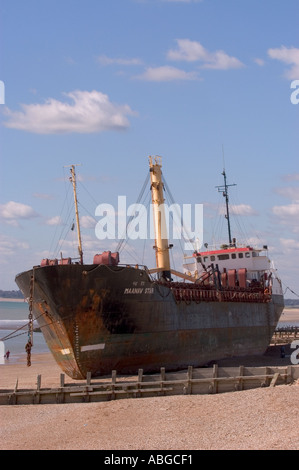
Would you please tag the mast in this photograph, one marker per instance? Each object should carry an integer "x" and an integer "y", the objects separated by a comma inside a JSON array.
[
  {"x": 224, "y": 190},
  {"x": 161, "y": 246},
  {"x": 73, "y": 181}
]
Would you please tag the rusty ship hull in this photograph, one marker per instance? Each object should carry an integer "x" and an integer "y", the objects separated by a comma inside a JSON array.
[{"x": 98, "y": 318}]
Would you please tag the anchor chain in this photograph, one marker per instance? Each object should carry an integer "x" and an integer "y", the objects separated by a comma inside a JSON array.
[{"x": 30, "y": 324}]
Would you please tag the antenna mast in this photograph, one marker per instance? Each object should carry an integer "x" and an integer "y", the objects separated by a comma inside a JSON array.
[
  {"x": 73, "y": 181},
  {"x": 224, "y": 190}
]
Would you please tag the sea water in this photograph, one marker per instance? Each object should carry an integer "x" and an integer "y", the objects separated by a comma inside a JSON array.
[{"x": 14, "y": 330}]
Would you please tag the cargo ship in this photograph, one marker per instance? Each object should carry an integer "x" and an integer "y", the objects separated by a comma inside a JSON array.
[{"x": 107, "y": 316}]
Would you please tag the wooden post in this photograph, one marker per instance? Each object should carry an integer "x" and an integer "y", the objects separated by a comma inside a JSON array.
[
  {"x": 113, "y": 382},
  {"x": 266, "y": 383},
  {"x": 36, "y": 396},
  {"x": 13, "y": 397},
  {"x": 62, "y": 380},
  {"x": 140, "y": 374},
  {"x": 39, "y": 382},
  {"x": 215, "y": 382},
  {"x": 88, "y": 378},
  {"x": 190, "y": 372},
  {"x": 162, "y": 375},
  {"x": 274, "y": 380},
  {"x": 241, "y": 381},
  {"x": 60, "y": 395},
  {"x": 288, "y": 378}
]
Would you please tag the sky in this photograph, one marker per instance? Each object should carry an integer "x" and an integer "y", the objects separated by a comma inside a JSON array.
[{"x": 103, "y": 84}]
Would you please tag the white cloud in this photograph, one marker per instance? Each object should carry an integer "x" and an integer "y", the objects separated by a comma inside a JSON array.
[
  {"x": 89, "y": 112},
  {"x": 289, "y": 56},
  {"x": 9, "y": 245},
  {"x": 54, "y": 220},
  {"x": 289, "y": 244},
  {"x": 288, "y": 214},
  {"x": 289, "y": 210},
  {"x": 166, "y": 74},
  {"x": 193, "y": 51},
  {"x": 12, "y": 211},
  {"x": 86, "y": 221},
  {"x": 70, "y": 61},
  {"x": 240, "y": 209},
  {"x": 104, "y": 60},
  {"x": 291, "y": 177},
  {"x": 291, "y": 192},
  {"x": 259, "y": 62}
]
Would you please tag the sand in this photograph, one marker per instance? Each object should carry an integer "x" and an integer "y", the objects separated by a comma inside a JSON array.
[
  {"x": 262, "y": 419},
  {"x": 290, "y": 314}
]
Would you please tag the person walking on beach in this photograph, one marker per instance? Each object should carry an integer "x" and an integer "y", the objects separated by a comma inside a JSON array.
[{"x": 7, "y": 354}]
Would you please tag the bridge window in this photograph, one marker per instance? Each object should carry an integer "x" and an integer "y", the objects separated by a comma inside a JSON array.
[{"x": 222, "y": 257}]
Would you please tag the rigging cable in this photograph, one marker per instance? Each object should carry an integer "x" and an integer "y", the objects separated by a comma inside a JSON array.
[
  {"x": 186, "y": 235},
  {"x": 288, "y": 288},
  {"x": 57, "y": 225},
  {"x": 123, "y": 240}
]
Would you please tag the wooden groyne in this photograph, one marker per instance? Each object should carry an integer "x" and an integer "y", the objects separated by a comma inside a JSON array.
[
  {"x": 193, "y": 381},
  {"x": 285, "y": 334}
]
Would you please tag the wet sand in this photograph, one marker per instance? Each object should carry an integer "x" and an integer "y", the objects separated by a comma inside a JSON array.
[
  {"x": 290, "y": 315},
  {"x": 264, "y": 418}
]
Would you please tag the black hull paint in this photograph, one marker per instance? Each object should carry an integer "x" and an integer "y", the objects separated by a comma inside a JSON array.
[{"x": 98, "y": 318}]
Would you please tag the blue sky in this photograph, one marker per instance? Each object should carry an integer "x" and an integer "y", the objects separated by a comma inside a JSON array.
[{"x": 106, "y": 83}]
